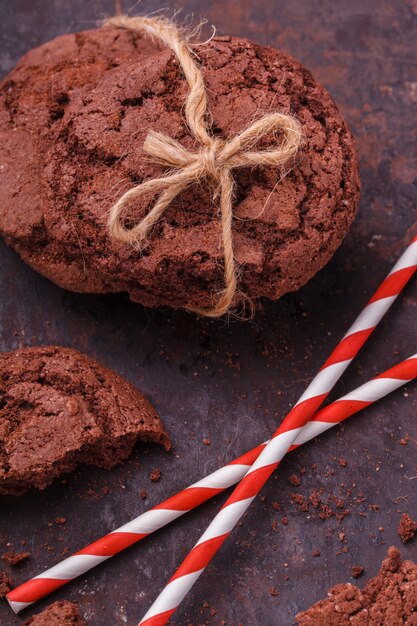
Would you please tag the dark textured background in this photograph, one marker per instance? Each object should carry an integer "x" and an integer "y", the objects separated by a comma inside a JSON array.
[{"x": 233, "y": 383}]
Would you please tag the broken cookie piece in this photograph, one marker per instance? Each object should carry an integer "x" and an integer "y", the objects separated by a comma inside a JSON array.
[
  {"x": 59, "y": 408},
  {"x": 388, "y": 599},
  {"x": 57, "y": 614}
]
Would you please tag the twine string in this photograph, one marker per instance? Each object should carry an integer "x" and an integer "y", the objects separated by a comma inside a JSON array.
[{"x": 215, "y": 160}]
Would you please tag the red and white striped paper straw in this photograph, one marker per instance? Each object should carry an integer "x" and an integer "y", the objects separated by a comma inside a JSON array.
[
  {"x": 333, "y": 414},
  {"x": 172, "y": 508},
  {"x": 283, "y": 439},
  {"x": 365, "y": 395}
]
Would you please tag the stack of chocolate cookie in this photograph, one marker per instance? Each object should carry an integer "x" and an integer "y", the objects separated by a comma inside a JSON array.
[{"x": 74, "y": 114}]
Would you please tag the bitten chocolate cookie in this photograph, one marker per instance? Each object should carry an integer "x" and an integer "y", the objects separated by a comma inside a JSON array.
[
  {"x": 74, "y": 115},
  {"x": 59, "y": 408},
  {"x": 388, "y": 599}
]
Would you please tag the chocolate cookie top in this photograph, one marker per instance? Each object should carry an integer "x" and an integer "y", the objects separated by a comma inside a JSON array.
[
  {"x": 73, "y": 118},
  {"x": 59, "y": 408}
]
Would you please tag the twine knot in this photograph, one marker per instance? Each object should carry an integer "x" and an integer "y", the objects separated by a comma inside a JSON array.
[
  {"x": 215, "y": 160},
  {"x": 166, "y": 151},
  {"x": 209, "y": 157}
]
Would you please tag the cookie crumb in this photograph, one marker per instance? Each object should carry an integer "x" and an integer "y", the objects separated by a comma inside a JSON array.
[
  {"x": 315, "y": 498},
  {"x": 407, "y": 528},
  {"x": 155, "y": 475},
  {"x": 325, "y": 512},
  {"x": 294, "y": 480},
  {"x": 14, "y": 558},
  {"x": 6, "y": 584},
  {"x": 356, "y": 571}
]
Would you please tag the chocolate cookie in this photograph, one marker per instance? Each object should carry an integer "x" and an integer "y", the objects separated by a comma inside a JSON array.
[
  {"x": 74, "y": 114},
  {"x": 61, "y": 613},
  {"x": 390, "y": 598},
  {"x": 59, "y": 408}
]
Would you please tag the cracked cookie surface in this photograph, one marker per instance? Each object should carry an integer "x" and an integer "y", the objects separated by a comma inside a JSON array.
[
  {"x": 59, "y": 408},
  {"x": 74, "y": 114}
]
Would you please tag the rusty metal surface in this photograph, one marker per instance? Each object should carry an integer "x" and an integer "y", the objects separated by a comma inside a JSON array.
[{"x": 233, "y": 383}]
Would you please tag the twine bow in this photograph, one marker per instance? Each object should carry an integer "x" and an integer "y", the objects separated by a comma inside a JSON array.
[{"x": 215, "y": 160}]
